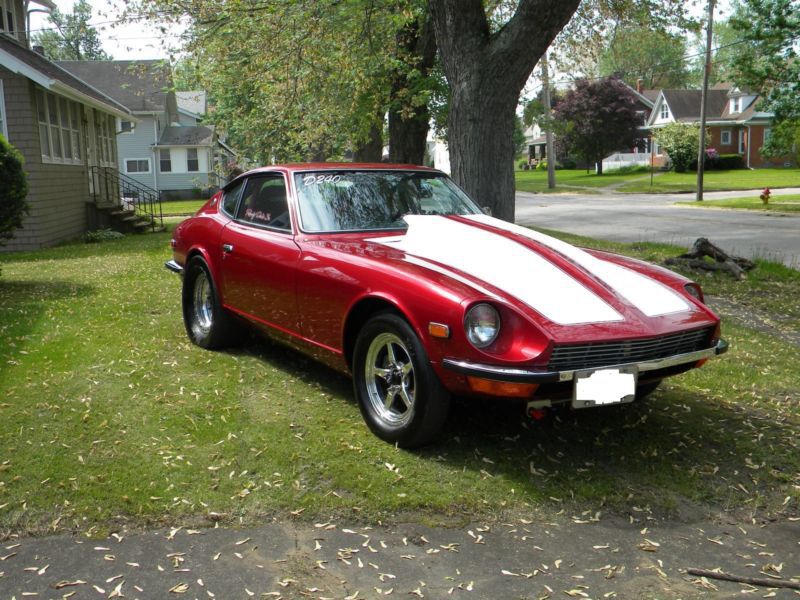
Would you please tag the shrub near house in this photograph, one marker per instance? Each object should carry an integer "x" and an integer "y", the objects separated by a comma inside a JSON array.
[{"x": 13, "y": 192}]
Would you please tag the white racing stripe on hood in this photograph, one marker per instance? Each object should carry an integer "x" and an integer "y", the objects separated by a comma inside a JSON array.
[
  {"x": 648, "y": 295},
  {"x": 505, "y": 264}
]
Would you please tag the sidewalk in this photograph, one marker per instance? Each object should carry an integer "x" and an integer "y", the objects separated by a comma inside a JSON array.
[{"x": 581, "y": 556}]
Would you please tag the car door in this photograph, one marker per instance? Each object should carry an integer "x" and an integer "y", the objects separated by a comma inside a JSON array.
[{"x": 260, "y": 256}]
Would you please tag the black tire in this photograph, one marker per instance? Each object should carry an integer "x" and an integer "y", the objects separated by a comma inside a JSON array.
[
  {"x": 207, "y": 323},
  {"x": 645, "y": 389},
  {"x": 401, "y": 398}
]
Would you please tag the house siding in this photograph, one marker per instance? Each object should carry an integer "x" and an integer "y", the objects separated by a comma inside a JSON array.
[
  {"x": 180, "y": 178},
  {"x": 138, "y": 144},
  {"x": 57, "y": 193}
]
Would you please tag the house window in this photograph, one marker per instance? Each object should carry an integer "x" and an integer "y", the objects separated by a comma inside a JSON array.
[
  {"x": 736, "y": 105},
  {"x": 3, "y": 126},
  {"x": 165, "y": 161},
  {"x": 7, "y": 17},
  {"x": 137, "y": 165},
  {"x": 725, "y": 137},
  {"x": 192, "y": 164},
  {"x": 664, "y": 110},
  {"x": 126, "y": 127},
  {"x": 767, "y": 130},
  {"x": 59, "y": 123},
  {"x": 104, "y": 127},
  {"x": 741, "y": 141}
]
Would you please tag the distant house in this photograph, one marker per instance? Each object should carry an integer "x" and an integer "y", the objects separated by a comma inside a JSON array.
[
  {"x": 735, "y": 126},
  {"x": 63, "y": 127},
  {"x": 168, "y": 150}
]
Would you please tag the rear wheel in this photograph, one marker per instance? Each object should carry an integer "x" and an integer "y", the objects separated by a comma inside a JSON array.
[
  {"x": 207, "y": 323},
  {"x": 401, "y": 398}
]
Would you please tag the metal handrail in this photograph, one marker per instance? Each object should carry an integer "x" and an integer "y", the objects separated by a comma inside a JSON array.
[{"x": 110, "y": 187}]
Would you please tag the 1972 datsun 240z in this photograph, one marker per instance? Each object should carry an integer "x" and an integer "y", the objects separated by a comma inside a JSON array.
[{"x": 392, "y": 273}]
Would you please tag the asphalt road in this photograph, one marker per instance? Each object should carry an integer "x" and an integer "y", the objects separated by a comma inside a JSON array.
[{"x": 656, "y": 218}]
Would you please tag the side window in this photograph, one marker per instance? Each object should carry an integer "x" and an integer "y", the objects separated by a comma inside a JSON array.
[
  {"x": 230, "y": 197},
  {"x": 264, "y": 203}
]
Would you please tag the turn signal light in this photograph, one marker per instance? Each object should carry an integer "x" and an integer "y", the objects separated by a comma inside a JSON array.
[
  {"x": 502, "y": 388},
  {"x": 438, "y": 330}
]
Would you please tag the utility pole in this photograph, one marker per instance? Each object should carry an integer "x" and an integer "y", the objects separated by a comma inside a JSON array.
[
  {"x": 548, "y": 134},
  {"x": 701, "y": 151}
]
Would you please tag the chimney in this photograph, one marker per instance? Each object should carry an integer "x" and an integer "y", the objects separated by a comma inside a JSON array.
[
  {"x": 639, "y": 83},
  {"x": 39, "y": 50}
]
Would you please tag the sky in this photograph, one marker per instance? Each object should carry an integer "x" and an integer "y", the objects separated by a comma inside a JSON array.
[
  {"x": 141, "y": 40},
  {"x": 123, "y": 41}
]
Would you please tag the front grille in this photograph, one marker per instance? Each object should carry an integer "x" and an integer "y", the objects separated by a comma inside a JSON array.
[{"x": 600, "y": 354}]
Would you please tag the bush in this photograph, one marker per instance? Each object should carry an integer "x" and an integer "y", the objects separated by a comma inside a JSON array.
[
  {"x": 13, "y": 191},
  {"x": 680, "y": 142},
  {"x": 523, "y": 165},
  {"x": 102, "y": 235},
  {"x": 542, "y": 166},
  {"x": 730, "y": 161},
  {"x": 628, "y": 169},
  {"x": 568, "y": 163}
]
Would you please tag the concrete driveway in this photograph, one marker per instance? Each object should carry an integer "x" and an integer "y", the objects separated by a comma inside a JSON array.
[{"x": 656, "y": 218}]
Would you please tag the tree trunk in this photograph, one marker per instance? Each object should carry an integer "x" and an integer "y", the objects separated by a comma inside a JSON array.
[
  {"x": 409, "y": 123},
  {"x": 372, "y": 149},
  {"x": 486, "y": 72},
  {"x": 480, "y": 139}
]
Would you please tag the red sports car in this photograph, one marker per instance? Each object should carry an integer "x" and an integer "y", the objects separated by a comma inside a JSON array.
[{"x": 393, "y": 274}]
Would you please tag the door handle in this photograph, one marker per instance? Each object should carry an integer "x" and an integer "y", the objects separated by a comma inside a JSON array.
[{"x": 227, "y": 248}]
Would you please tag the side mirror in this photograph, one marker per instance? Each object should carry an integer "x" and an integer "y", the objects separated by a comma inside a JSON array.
[{"x": 487, "y": 210}]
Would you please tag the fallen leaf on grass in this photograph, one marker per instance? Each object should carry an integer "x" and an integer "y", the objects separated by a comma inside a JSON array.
[{"x": 181, "y": 588}]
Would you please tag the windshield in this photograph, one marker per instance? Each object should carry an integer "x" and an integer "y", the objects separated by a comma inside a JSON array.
[{"x": 333, "y": 201}]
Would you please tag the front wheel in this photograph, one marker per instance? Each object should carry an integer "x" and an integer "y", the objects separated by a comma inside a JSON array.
[
  {"x": 207, "y": 323},
  {"x": 401, "y": 398}
]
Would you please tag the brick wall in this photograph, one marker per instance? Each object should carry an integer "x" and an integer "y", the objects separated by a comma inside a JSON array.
[{"x": 57, "y": 194}]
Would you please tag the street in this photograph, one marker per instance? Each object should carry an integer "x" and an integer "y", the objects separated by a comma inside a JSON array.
[{"x": 656, "y": 218}]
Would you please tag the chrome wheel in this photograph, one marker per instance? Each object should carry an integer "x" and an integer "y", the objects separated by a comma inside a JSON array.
[
  {"x": 390, "y": 380},
  {"x": 203, "y": 304}
]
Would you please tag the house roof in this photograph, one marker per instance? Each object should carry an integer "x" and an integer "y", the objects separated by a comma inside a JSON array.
[
  {"x": 34, "y": 66},
  {"x": 685, "y": 104},
  {"x": 140, "y": 85},
  {"x": 198, "y": 135},
  {"x": 193, "y": 102}
]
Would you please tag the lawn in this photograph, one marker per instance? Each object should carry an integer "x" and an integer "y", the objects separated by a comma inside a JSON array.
[
  {"x": 574, "y": 180},
  {"x": 570, "y": 180},
  {"x": 739, "y": 179},
  {"x": 181, "y": 208},
  {"x": 109, "y": 417},
  {"x": 787, "y": 203}
]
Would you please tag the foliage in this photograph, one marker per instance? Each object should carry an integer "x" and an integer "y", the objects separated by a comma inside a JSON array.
[
  {"x": 102, "y": 235},
  {"x": 772, "y": 63},
  {"x": 519, "y": 137},
  {"x": 729, "y": 161},
  {"x": 680, "y": 141},
  {"x": 784, "y": 141},
  {"x": 13, "y": 191},
  {"x": 726, "y": 45},
  {"x": 654, "y": 56},
  {"x": 74, "y": 37},
  {"x": 598, "y": 117}
]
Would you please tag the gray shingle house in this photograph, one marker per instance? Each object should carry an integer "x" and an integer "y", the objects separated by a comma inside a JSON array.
[
  {"x": 168, "y": 149},
  {"x": 63, "y": 127}
]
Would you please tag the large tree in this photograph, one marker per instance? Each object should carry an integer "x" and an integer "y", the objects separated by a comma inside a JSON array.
[
  {"x": 72, "y": 36},
  {"x": 655, "y": 57},
  {"x": 597, "y": 117},
  {"x": 486, "y": 71}
]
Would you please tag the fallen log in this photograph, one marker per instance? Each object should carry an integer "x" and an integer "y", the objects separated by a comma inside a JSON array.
[
  {"x": 763, "y": 582},
  {"x": 702, "y": 248}
]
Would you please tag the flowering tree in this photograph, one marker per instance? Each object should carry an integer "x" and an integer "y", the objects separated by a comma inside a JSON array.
[{"x": 679, "y": 141}]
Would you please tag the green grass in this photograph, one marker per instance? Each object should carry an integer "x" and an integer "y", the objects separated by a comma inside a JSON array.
[
  {"x": 738, "y": 179},
  {"x": 787, "y": 203},
  {"x": 181, "y": 208},
  {"x": 109, "y": 416},
  {"x": 570, "y": 180}
]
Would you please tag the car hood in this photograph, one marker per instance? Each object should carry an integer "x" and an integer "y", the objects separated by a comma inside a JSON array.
[{"x": 566, "y": 285}]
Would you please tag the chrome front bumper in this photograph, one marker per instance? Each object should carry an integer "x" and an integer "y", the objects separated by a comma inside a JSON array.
[
  {"x": 174, "y": 267},
  {"x": 536, "y": 376}
]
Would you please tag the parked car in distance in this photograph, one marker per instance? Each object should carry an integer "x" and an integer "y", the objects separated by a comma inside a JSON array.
[{"x": 391, "y": 273}]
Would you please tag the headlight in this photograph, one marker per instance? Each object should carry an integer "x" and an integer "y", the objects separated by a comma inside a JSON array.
[
  {"x": 482, "y": 325},
  {"x": 694, "y": 290}
]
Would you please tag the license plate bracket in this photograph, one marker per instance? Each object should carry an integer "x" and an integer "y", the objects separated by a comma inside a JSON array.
[{"x": 602, "y": 387}]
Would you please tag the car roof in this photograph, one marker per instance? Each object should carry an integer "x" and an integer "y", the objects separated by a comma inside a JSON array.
[{"x": 322, "y": 166}]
